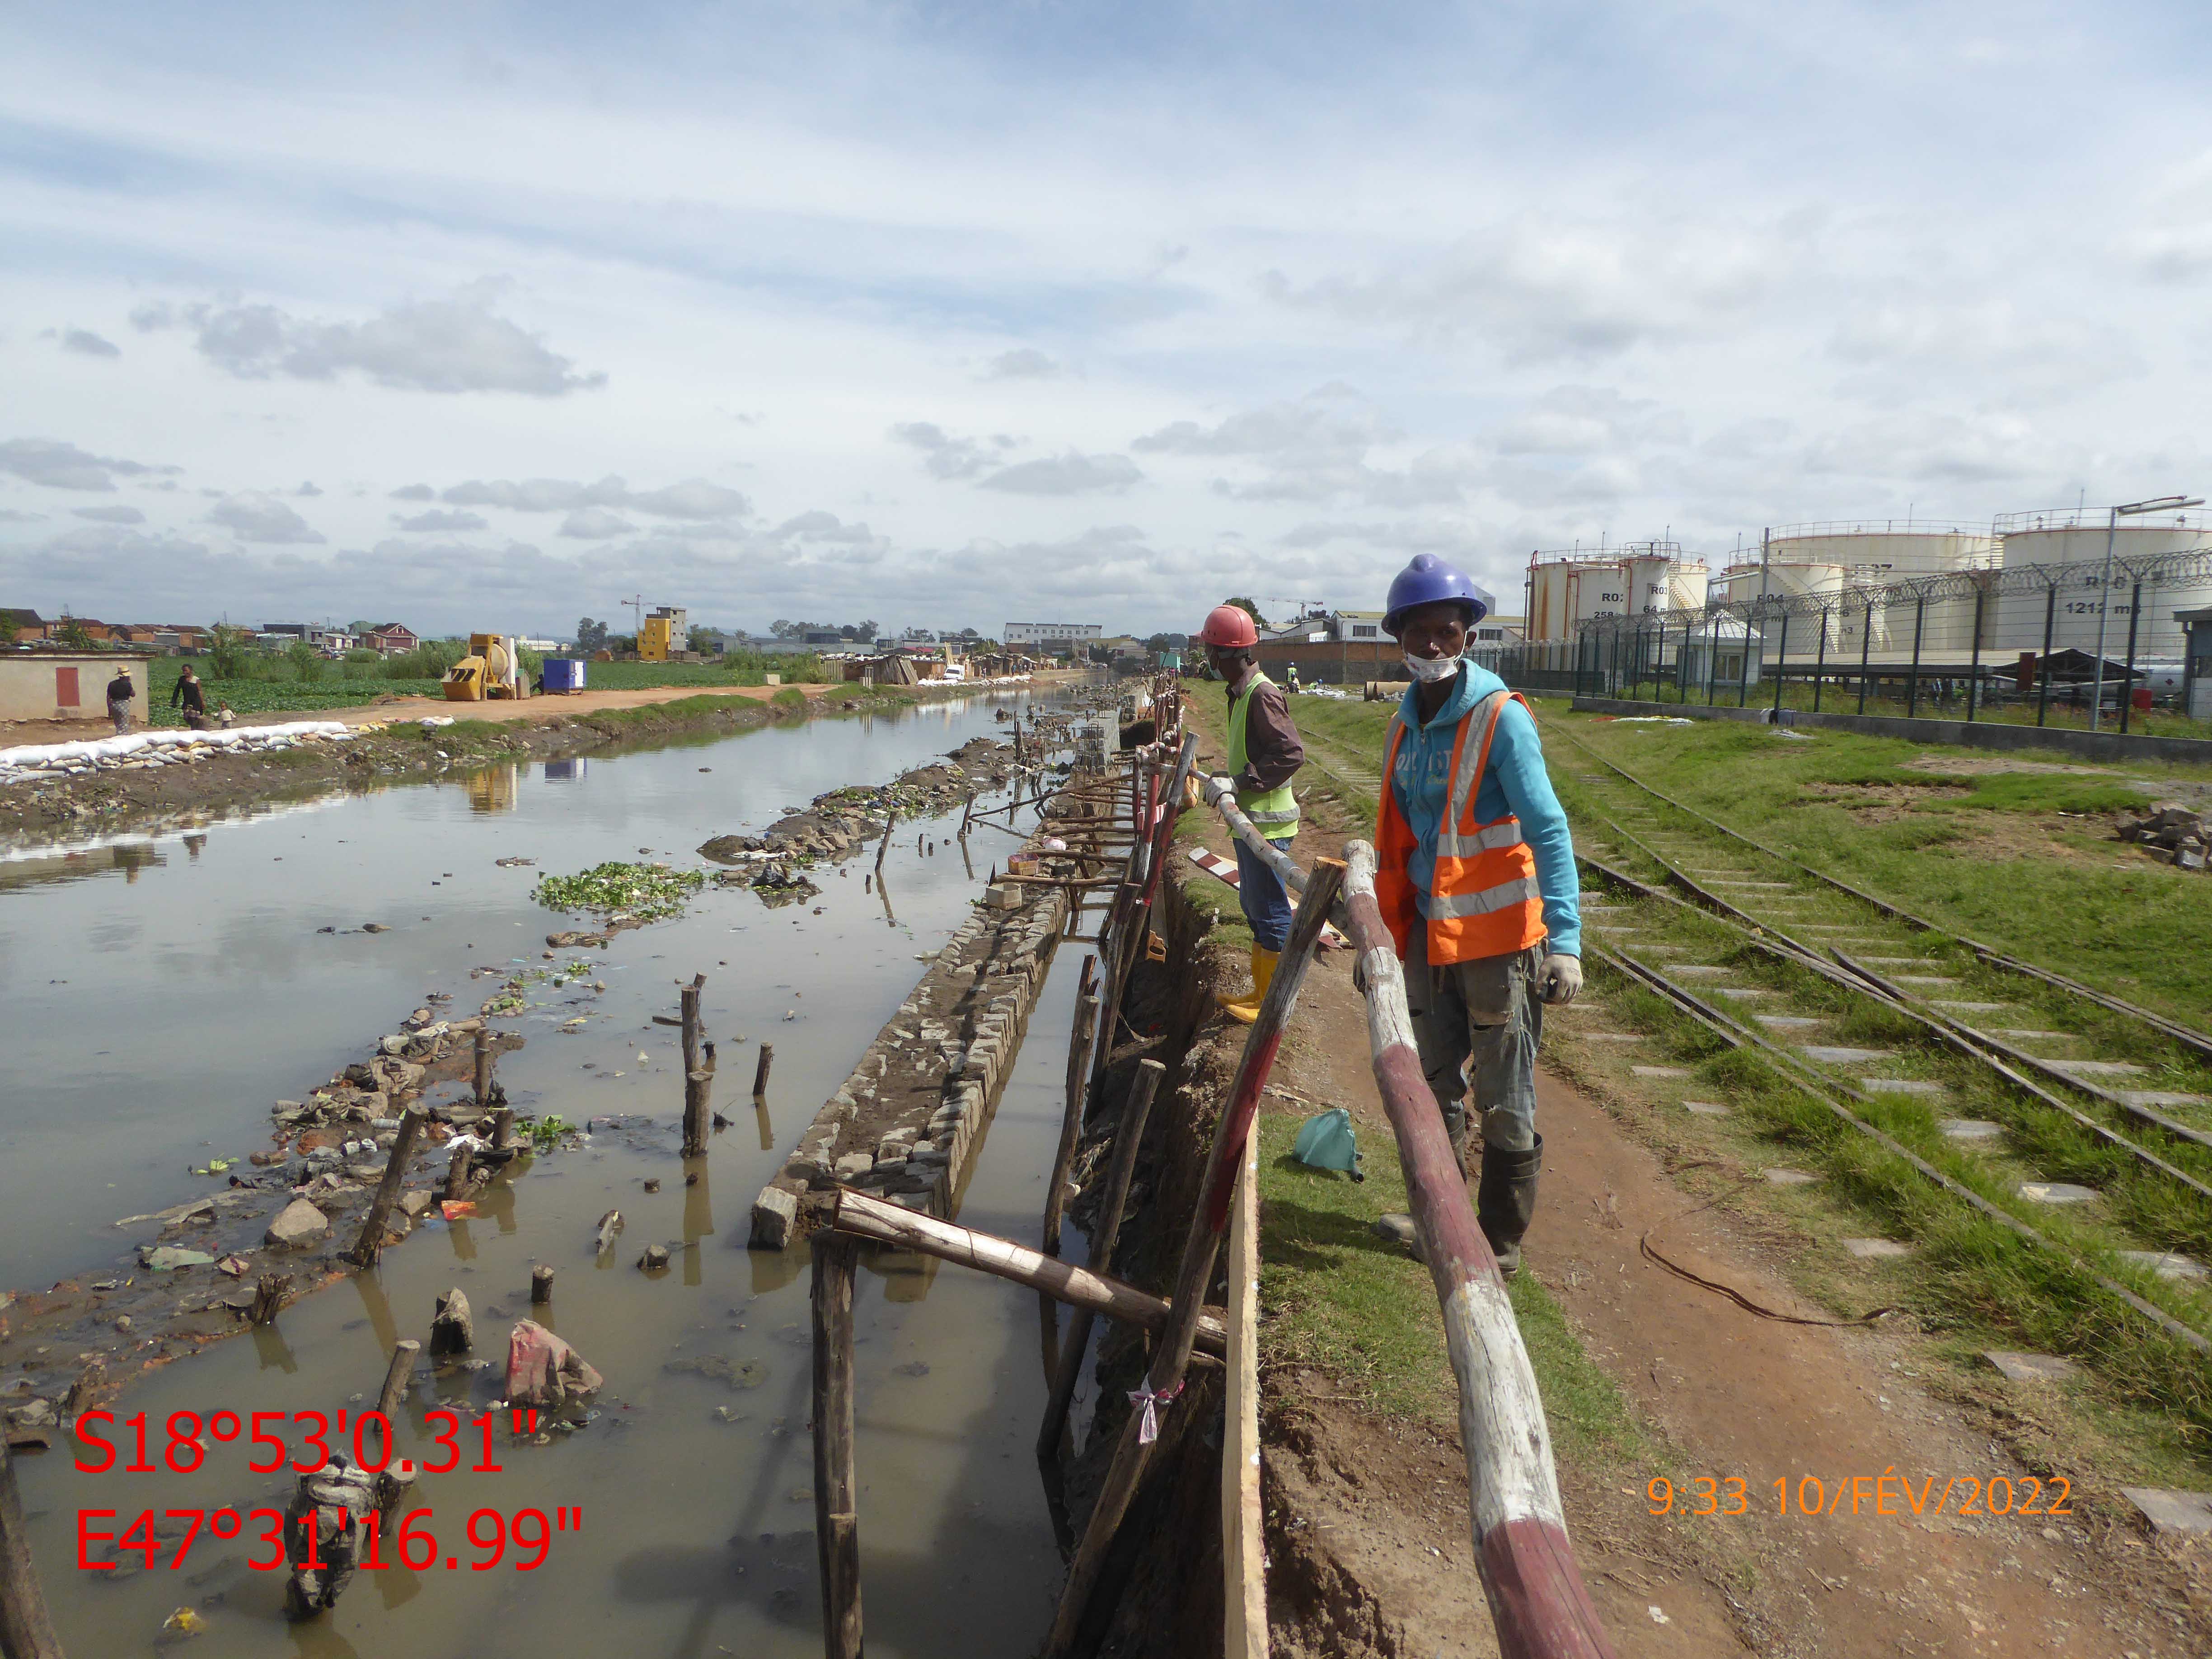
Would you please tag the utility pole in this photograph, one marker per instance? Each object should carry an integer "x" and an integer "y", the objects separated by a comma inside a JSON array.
[{"x": 2161, "y": 504}]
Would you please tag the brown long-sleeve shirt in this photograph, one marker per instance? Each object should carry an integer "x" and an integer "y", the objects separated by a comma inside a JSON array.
[{"x": 1273, "y": 753}]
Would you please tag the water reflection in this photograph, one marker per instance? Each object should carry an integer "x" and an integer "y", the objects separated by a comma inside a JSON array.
[{"x": 492, "y": 788}]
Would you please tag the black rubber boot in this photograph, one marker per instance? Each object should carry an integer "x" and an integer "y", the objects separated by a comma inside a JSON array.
[
  {"x": 1455, "y": 1130},
  {"x": 1505, "y": 1203}
]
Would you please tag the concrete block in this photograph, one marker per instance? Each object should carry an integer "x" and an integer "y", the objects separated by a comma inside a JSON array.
[
  {"x": 2030, "y": 1367},
  {"x": 2188, "y": 1514},
  {"x": 775, "y": 1218},
  {"x": 1970, "y": 1129},
  {"x": 1876, "y": 1249}
]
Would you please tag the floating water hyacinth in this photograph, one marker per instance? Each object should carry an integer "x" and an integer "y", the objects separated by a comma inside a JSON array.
[{"x": 645, "y": 891}]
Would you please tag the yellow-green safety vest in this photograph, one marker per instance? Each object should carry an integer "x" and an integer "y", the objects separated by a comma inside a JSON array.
[{"x": 1273, "y": 812}]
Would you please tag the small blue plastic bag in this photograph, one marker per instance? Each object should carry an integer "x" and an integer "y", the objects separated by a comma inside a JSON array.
[{"x": 1326, "y": 1142}]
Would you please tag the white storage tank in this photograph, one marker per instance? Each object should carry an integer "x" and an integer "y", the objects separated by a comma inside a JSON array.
[
  {"x": 2071, "y": 542},
  {"x": 1595, "y": 588},
  {"x": 1741, "y": 583},
  {"x": 1885, "y": 550}
]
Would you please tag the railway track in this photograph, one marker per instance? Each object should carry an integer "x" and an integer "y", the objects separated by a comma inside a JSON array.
[{"x": 2071, "y": 1119}]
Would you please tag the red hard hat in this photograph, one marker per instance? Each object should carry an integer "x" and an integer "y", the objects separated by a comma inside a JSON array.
[{"x": 1228, "y": 625}]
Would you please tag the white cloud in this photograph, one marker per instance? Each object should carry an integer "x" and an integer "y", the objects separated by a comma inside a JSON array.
[
  {"x": 414, "y": 492},
  {"x": 452, "y": 345},
  {"x": 1070, "y": 474},
  {"x": 86, "y": 343},
  {"x": 693, "y": 498},
  {"x": 110, "y": 514},
  {"x": 253, "y": 517},
  {"x": 1024, "y": 363},
  {"x": 65, "y": 466},
  {"x": 440, "y": 519},
  {"x": 948, "y": 457},
  {"x": 593, "y": 523}
]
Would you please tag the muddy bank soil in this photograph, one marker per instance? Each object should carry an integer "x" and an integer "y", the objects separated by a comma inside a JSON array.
[{"x": 174, "y": 796}]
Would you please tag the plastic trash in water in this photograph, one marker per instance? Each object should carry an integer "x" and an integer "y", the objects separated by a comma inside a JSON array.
[{"x": 1326, "y": 1142}]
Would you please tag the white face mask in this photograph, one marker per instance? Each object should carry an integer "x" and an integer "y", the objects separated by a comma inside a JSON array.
[{"x": 1429, "y": 670}]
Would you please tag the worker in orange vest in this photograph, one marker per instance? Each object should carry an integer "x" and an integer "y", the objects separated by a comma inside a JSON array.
[
  {"x": 1475, "y": 875},
  {"x": 1264, "y": 755}
]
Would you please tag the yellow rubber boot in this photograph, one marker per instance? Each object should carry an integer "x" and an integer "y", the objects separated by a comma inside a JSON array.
[{"x": 1247, "y": 1009}]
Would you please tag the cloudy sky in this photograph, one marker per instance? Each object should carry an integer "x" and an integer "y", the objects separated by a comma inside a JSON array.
[{"x": 489, "y": 314}]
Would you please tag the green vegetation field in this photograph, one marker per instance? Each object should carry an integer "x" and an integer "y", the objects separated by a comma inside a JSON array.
[
  {"x": 2014, "y": 856},
  {"x": 273, "y": 684}
]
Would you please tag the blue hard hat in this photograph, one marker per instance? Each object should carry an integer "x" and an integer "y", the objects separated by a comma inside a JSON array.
[{"x": 1428, "y": 580}]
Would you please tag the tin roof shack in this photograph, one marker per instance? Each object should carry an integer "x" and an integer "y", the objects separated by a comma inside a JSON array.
[{"x": 68, "y": 686}]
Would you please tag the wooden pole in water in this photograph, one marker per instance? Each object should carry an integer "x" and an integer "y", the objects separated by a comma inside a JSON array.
[
  {"x": 460, "y": 1174},
  {"x": 910, "y": 1230},
  {"x": 1070, "y": 1122},
  {"x": 483, "y": 1066},
  {"x": 1127, "y": 1135},
  {"x": 884, "y": 845},
  {"x": 1172, "y": 1357},
  {"x": 363, "y": 1253},
  {"x": 27, "y": 1631},
  {"x": 393, "y": 1395},
  {"x": 836, "y": 1524},
  {"x": 541, "y": 1286},
  {"x": 760, "y": 1072},
  {"x": 502, "y": 1128},
  {"x": 697, "y": 1083}
]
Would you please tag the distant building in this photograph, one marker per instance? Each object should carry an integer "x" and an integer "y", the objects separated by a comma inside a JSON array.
[
  {"x": 392, "y": 639},
  {"x": 29, "y": 625},
  {"x": 1051, "y": 633}
]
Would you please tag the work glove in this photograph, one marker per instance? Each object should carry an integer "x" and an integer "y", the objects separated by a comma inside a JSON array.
[
  {"x": 1226, "y": 784},
  {"x": 1558, "y": 980}
]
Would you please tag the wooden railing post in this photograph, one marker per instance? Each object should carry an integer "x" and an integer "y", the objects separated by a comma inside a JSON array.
[
  {"x": 1071, "y": 1123},
  {"x": 837, "y": 1523},
  {"x": 1127, "y": 1136},
  {"x": 1171, "y": 1358},
  {"x": 1529, "y": 1576},
  {"x": 1244, "y": 1557}
]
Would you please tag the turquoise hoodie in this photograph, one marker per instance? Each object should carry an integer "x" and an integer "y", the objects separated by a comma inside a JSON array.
[{"x": 1515, "y": 782}]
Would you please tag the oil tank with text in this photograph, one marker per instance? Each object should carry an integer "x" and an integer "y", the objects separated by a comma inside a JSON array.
[
  {"x": 1659, "y": 582},
  {"x": 2072, "y": 544},
  {"x": 1595, "y": 589}
]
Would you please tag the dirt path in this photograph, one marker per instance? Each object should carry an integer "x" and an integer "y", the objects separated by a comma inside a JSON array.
[{"x": 1368, "y": 1515}]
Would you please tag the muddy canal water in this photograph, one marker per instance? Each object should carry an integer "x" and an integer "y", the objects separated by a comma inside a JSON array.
[{"x": 160, "y": 999}]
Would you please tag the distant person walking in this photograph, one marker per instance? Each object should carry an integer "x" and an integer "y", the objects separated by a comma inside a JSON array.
[
  {"x": 191, "y": 695},
  {"x": 121, "y": 694},
  {"x": 1264, "y": 755}
]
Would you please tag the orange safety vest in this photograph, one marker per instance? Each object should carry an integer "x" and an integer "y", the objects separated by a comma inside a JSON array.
[{"x": 1484, "y": 901}]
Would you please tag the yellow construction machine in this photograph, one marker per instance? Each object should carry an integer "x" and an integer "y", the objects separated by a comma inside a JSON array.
[{"x": 493, "y": 668}]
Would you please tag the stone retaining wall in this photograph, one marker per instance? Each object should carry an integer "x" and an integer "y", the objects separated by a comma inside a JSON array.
[{"x": 907, "y": 1124}]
